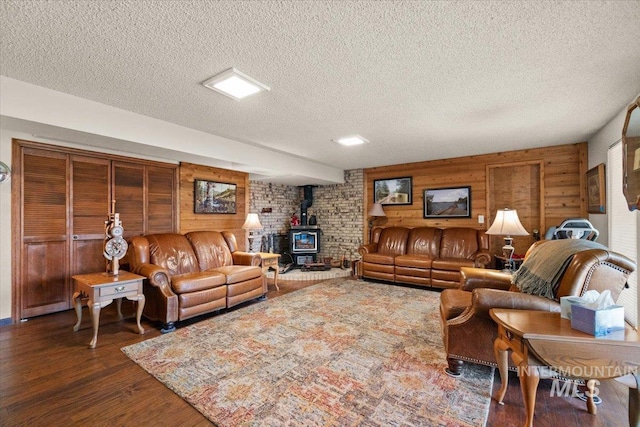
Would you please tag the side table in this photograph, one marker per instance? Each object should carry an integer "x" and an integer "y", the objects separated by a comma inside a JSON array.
[
  {"x": 544, "y": 339},
  {"x": 502, "y": 261},
  {"x": 101, "y": 289},
  {"x": 270, "y": 260}
]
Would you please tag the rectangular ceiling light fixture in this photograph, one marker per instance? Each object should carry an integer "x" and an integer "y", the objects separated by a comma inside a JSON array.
[
  {"x": 350, "y": 140},
  {"x": 235, "y": 84}
]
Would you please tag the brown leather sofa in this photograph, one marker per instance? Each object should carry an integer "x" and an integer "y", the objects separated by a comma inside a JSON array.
[
  {"x": 192, "y": 274},
  {"x": 467, "y": 328},
  {"x": 424, "y": 256}
]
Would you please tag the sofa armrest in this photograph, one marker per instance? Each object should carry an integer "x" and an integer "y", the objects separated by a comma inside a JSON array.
[
  {"x": 484, "y": 300},
  {"x": 472, "y": 278},
  {"x": 157, "y": 276},
  {"x": 161, "y": 302},
  {"x": 482, "y": 258},
  {"x": 368, "y": 249},
  {"x": 246, "y": 258}
]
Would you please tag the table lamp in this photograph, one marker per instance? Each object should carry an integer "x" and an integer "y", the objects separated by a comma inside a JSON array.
[
  {"x": 507, "y": 224},
  {"x": 375, "y": 212},
  {"x": 252, "y": 224}
]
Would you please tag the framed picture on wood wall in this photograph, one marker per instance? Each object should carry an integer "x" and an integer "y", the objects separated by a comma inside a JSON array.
[
  {"x": 394, "y": 191},
  {"x": 454, "y": 202},
  {"x": 212, "y": 197},
  {"x": 596, "y": 202}
]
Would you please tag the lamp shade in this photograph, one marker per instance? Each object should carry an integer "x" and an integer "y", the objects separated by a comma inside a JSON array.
[
  {"x": 376, "y": 210},
  {"x": 252, "y": 222},
  {"x": 507, "y": 223}
]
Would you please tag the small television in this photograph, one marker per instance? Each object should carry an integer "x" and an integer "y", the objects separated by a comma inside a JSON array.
[{"x": 305, "y": 241}]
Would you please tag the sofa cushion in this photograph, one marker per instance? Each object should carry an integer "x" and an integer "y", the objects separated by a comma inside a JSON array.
[
  {"x": 415, "y": 261},
  {"x": 378, "y": 258},
  {"x": 193, "y": 282},
  {"x": 196, "y": 303},
  {"x": 451, "y": 264},
  {"x": 217, "y": 295},
  {"x": 424, "y": 241},
  {"x": 210, "y": 248},
  {"x": 172, "y": 252},
  {"x": 393, "y": 241},
  {"x": 243, "y": 287},
  {"x": 239, "y": 273},
  {"x": 459, "y": 242}
]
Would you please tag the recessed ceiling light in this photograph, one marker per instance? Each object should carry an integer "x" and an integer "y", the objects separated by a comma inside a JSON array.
[
  {"x": 351, "y": 140},
  {"x": 235, "y": 84}
]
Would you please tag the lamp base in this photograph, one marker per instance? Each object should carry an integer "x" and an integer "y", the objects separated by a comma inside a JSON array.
[
  {"x": 251, "y": 239},
  {"x": 507, "y": 252}
]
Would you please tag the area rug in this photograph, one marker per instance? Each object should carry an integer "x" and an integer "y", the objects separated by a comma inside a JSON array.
[{"x": 339, "y": 353}]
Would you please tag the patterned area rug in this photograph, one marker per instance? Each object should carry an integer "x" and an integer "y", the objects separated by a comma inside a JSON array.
[{"x": 339, "y": 353}]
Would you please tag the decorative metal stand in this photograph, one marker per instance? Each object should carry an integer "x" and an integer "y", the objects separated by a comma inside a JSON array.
[{"x": 115, "y": 247}]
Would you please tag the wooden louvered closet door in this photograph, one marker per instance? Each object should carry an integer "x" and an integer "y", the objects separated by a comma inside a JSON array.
[
  {"x": 45, "y": 239},
  {"x": 89, "y": 206},
  {"x": 145, "y": 198},
  {"x": 128, "y": 192},
  {"x": 61, "y": 201}
]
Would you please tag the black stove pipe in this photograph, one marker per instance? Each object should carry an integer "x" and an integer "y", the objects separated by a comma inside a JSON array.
[{"x": 306, "y": 203}]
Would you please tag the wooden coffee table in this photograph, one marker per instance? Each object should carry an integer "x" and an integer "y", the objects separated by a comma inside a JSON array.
[
  {"x": 543, "y": 339},
  {"x": 101, "y": 289}
]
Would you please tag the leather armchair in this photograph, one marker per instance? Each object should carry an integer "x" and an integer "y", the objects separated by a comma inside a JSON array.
[{"x": 469, "y": 332}]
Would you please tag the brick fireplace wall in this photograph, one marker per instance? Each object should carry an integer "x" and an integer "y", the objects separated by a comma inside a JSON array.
[
  {"x": 338, "y": 209},
  {"x": 283, "y": 200}
]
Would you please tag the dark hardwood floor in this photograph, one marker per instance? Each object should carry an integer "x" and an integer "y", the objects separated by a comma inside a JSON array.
[{"x": 48, "y": 377}]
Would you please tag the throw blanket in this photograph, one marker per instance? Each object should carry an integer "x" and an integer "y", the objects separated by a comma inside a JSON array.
[{"x": 540, "y": 273}]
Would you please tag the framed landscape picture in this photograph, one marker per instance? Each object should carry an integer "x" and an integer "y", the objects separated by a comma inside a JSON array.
[
  {"x": 212, "y": 197},
  {"x": 596, "y": 202},
  {"x": 454, "y": 202},
  {"x": 395, "y": 191}
]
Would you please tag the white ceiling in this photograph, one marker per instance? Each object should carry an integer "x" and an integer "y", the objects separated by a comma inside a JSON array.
[{"x": 421, "y": 80}]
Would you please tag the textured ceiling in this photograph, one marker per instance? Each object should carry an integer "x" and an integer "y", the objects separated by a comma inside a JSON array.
[{"x": 421, "y": 80}]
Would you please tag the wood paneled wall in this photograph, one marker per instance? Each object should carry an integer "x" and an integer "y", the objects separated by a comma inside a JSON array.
[
  {"x": 563, "y": 185},
  {"x": 190, "y": 221}
]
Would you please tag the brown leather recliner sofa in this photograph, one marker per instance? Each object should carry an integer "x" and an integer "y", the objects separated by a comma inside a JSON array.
[
  {"x": 192, "y": 274},
  {"x": 467, "y": 328},
  {"x": 424, "y": 256}
]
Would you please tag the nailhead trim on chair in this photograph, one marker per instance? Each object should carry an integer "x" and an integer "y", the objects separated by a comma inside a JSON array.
[{"x": 515, "y": 369}]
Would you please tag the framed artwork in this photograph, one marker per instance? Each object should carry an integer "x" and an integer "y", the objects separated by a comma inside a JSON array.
[
  {"x": 454, "y": 202},
  {"x": 596, "y": 202},
  {"x": 212, "y": 197},
  {"x": 395, "y": 191}
]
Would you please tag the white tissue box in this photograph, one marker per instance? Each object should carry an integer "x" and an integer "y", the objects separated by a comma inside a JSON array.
[
  {"x": 566, "y": 303},
  {"x": 597, "y": 322}
]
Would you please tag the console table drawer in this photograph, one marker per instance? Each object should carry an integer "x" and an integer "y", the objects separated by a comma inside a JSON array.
[{"x": 119, "y": 290}]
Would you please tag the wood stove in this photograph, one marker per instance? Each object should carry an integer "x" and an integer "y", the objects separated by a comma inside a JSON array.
[{"x": 304, "y": 244}]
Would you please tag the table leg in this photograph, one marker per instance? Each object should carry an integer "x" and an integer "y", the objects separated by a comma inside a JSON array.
[
  {"x": 94, "y": 309},
  {"x": 275, "y": 276},
  {"x": 529, "y": 379},
  {"x": 119, "y": 307},
  {"x": 634, "y": 403},
  {"x": 500, "y": 350},
  {"x": 77, "y": 303},
  {"x": 591, "y": 389},
  {"x": 140, "y": 299}
]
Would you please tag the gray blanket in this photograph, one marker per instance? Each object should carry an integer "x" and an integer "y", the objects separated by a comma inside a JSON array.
[{"x": 540, "y": 273}]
